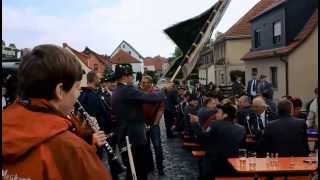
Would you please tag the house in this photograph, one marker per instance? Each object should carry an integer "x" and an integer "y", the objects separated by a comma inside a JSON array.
[
  {"x": 155, "y": 64},
  {"x": 232, "y": 45},
  {"x": 285, "y": 47},
  {"x": 102, "y": 63},
  {"x": 90, "y": 61},
  {"x": 122, "y": 57},
  {"x": 126, "y": 47},
  {"x": 10, "y": 51},
  {"x": 205, "y": 64}
]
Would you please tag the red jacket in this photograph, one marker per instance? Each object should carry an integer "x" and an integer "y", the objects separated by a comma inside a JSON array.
[
  {"x": 38, "y": 146},
  {"x": 150, "y": 110}
]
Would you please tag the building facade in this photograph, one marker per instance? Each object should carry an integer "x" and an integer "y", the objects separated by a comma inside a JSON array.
[
  {"x": 285, "y": 48},
  {"x": 126, "y": 47}
]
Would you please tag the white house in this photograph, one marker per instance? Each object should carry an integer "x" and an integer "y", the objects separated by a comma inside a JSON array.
[{"x": 126, "y": 47}]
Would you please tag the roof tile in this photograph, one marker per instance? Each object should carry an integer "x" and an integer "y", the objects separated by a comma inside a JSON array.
[
  {"x": 122, "y": 57},
  {"x": 242, "y": 26}
]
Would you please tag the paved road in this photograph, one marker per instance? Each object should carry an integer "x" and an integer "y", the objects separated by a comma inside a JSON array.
[{"x": 179, "y": 163}]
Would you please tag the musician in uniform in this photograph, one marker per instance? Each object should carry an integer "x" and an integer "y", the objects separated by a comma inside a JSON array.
[
  {"x": 93, "y": 104},
  {"x": 38, "y": 140},
  {"x": 127, "y": 107}
]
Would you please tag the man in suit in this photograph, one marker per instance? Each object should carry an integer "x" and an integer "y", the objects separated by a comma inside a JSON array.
[
  {"x": 252, "y": 87},
  {"x": 263, "y": 116},
  {"x": 127, "y": 106},
  {"x": 245, "y": 114},
  {"x": 286, "y": 135},
  {"x": 265, "y": 90},
  {"x": 221, "y": 140}
]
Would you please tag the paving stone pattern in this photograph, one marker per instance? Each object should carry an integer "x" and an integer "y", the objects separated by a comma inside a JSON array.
[{"x": 178, "y": 162}]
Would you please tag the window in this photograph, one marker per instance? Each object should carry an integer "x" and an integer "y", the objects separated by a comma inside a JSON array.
[
  {"x": 257, "y": 38},
  {"x": 124, "y": 46},
  {"x": 95, "y": 67},
  {"x": 274, "y": 76},
  {"x": 254, "y": 72},
  {"x": 129, "y": 52},
  {"x": 276, "y": 32}
]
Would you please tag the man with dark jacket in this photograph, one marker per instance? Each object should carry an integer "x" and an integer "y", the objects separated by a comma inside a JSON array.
[
  {"x": 286, "y": 135},
  {"x": 237, "y": 87},
  {"x": 252, "y": 87},
  {"x": 221, "y": 141},
  {"x": 171, "y": 101},
  {"x": 127, "y": 107},
  {"x": 246, "y": 114},
  {"x": 262, "y": 118},
  {"x": 94, "y": 106}
]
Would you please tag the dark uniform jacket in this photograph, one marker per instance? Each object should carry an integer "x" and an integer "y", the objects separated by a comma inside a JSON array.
[
  {"x": 221, "y": 141},
  {"x": 286, "y": 136},
  {"x": 254, "y": 125},
  {"x": 94, "y": 105},
  {"x": 245, "y": 117},
  {"x": 127, "y": 108}
]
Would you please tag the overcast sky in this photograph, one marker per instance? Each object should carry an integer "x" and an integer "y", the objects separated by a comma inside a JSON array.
[{"x": 103, "y": 24}]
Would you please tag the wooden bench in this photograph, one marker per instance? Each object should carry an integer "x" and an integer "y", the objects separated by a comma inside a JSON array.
[
  {"x": 191, "y": 146},
  {"x": 187, "y": 138},
  {"x": 198, "y": 154}
]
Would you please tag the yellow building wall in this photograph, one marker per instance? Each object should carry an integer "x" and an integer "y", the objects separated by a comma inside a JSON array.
[{"x": 303, "y": 68}]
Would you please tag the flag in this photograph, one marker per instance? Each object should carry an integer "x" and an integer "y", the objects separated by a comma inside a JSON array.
[{"x": 191, "y": 35}]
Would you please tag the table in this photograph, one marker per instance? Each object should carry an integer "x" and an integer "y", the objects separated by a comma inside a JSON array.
[{"x": 283, "y": 166}]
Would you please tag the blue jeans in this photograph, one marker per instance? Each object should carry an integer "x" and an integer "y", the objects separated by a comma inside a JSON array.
[{"x": 155, "y": 137}]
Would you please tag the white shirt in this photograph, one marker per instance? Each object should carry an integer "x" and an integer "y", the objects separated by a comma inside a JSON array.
[
  {"x": 253, "y": 93},
  {"x": 312, "y": 119},
  {"x": 263, "y": 119},
  {"x": 3, "y": 102}
]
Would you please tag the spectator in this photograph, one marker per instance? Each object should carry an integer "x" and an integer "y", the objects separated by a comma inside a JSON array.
[
  {"x": 265, "y": 88},
  {"x": 297, "y": 105},
  {"x": 237, "y": 87},
  {"x": 252, "y": 87},
  {"x": 246, "y": 115},
  {"x": 221, "y": 141},
  {"x": 263, "y": 116},
  {"x": 192, "y": 108},
  {"x": 286, "y": 135},
  {"x": 208, "y": 110},
  {"x": 312, "y": 119}
]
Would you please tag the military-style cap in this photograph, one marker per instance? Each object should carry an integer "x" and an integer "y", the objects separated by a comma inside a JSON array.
[{"x": 122, "y": 70}]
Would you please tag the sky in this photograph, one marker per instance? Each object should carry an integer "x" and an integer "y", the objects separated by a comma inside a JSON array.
[{"x": 103, "y": 24}]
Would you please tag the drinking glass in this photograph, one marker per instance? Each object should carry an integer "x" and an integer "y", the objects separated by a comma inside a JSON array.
[
  {"x": 242, "y": 157},
  {"x": 252, "y": 159}
]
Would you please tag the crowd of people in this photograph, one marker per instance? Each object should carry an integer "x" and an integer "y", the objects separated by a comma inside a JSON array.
[{"x": 55, "y": 129}]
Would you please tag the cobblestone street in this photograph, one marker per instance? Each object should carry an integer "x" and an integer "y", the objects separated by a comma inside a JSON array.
[{"x": 178, "y": 162}]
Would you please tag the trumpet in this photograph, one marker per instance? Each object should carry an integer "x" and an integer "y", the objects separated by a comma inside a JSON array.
[{"x": 95, "y": 127}]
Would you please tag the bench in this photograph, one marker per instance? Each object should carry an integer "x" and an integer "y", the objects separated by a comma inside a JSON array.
[
  {"x": 198, "y": 154},
  {"x": 191, "y": 146}
]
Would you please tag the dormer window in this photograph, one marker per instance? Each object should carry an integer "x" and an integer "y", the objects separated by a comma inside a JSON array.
[{"x": 276, "y": 32}]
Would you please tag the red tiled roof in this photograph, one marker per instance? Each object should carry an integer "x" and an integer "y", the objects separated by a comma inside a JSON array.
[
  {"x": 83, "y": 57},
  {"x": 157, "y": 62},
  {"x": 242, "y": 27},
  {"x": 101, "y": 58},
  {"x": 299, "y": 39},
  {"x": 273, "y": 5},
  {"x": 122, "y": 57}
]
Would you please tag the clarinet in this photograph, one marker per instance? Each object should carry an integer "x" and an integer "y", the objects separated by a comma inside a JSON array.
[{"x": 95, "y": 127}]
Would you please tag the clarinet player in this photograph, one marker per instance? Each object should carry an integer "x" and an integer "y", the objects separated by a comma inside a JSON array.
[{"x": 37, "y": 134}]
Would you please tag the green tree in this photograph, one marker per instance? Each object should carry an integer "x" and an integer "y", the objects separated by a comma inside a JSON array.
[{"x": 177, "y": 53}]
